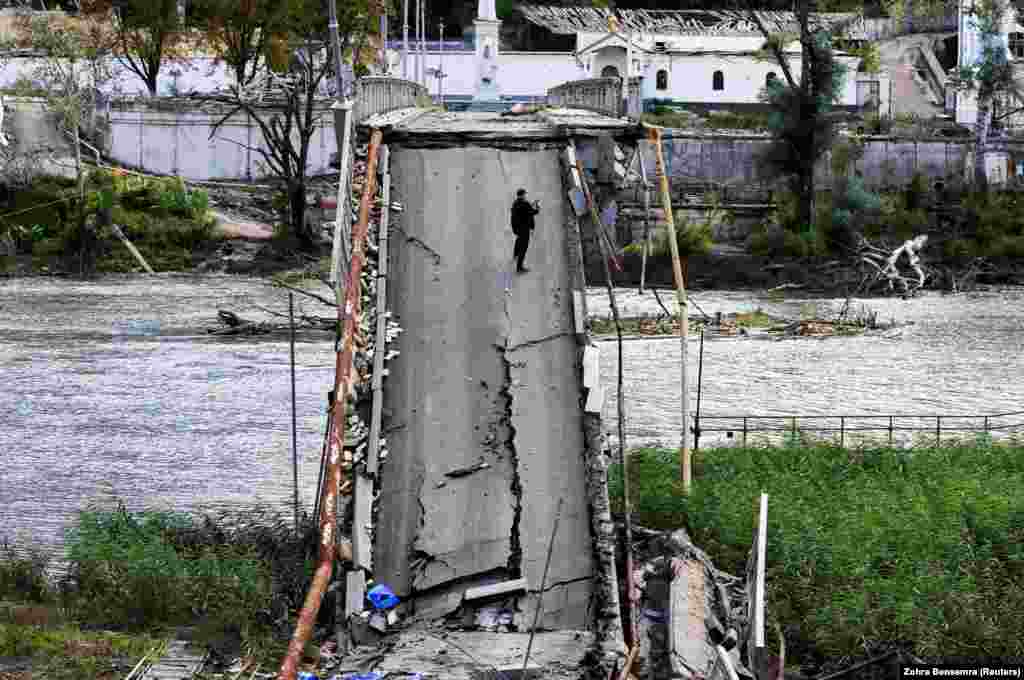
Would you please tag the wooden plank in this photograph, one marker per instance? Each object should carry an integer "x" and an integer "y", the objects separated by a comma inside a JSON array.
[
  {"x": 355, "y": 592},
  {"x": 362, "y": 546},
  {"x": 480, "y": 592},
  {"x": 131, "y": 248},
  {"x": 688, "y": 607},
  {"x": 725, "y": 667},
  {"x": 761, "y": 657},
  {"x": 578, "y": 320},
  {"x": 591, "y": 367}
]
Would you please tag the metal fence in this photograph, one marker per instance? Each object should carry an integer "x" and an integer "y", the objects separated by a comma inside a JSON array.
[
  {"x": 379, "y": 94},
  {"x": 601, "y": 95},
  {"x": 842, "y": 426}
]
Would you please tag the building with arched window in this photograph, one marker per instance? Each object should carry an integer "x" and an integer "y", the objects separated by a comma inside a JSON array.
[
  {"x": 694, "y": 57},
  {"x": 697, "y": 58}
]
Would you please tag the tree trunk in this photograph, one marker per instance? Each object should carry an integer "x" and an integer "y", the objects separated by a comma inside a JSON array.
[
  {"x": 297, "y": 208},
  {"x": 151, "y": 82},
  {"x": 982, "y": 126}
]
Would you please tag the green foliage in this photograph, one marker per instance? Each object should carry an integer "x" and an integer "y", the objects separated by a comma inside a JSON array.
[
  {"x": 870, "y": 58},
  {"x": 773, "y": 241},
  {"x": 23, "y": 574},
  {"x": 905, "y": 224},
  {"x": 869, "y": 545},
  {"x": 67, "y": 653},
  {"x": 176, "y": 199},
  {"x": 845, "y": 152},
  {"x": 852, "y": 206},
  {"x": 692, "y": 238},
  {"x": 875, "y": 124},
  {"x": 737, "y": 121},
  {"x": 125, "y": 570},
  {"x": 959, "y": 247}
]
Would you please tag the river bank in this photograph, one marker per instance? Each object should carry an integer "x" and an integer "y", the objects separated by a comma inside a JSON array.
[
  {"x": 730, "y": 268},
  {"x": 851, "y": 531}
]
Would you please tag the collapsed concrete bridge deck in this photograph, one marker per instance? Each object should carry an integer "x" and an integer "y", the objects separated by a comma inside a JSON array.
[{"x": 484, "y": 406}]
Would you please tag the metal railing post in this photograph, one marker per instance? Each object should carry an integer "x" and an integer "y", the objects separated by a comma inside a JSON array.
[
  {"x": 890, "y": 431},
  {"x": 986, "y": 424},
  {"x": 794, "y": 428},
  {"x": 744, "y": 431},
  {"x": 842, "y": 432},
  {"x": 938, "y": 430}
]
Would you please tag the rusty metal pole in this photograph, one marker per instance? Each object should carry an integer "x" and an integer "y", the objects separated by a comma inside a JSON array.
[
  {"x": 654, "y": 134},
  {"x": 348, "y": 316}
]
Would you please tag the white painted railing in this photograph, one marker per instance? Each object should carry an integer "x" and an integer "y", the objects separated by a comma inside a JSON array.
[
  {"x": 601, "y": 95},
  {"x": 378, "y": 94}
]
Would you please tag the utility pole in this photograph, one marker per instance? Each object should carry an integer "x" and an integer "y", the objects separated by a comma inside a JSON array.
[
  {"x": 336, "y": 48},
  {"x": 423, "y": 42},
  {"x": 440, "y": 68},
  {"x": 385, "y": 66},
  {"x": 405, "y": 39}
]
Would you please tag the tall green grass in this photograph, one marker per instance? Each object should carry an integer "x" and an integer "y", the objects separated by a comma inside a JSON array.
[
  {"x": 242, "y": 570},
  {"x": 866, "y": 547}
]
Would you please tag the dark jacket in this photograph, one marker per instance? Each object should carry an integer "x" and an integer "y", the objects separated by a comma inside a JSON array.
[{"x": 522, "y": 216}]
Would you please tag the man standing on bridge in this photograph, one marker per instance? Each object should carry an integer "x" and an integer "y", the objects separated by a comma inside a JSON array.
[{"x": 522, "y": 224}]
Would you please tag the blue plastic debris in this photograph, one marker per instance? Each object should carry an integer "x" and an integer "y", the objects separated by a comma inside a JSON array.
[
  {"x": 361, "y": 676},
  {"x": 381, "y": 597},
  {"x": 306, "y": 675}
]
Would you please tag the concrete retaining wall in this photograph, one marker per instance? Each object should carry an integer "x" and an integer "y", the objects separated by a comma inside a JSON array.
[
  {"x": 887, "y": 162},
  {"x": 173, "y": 137}
]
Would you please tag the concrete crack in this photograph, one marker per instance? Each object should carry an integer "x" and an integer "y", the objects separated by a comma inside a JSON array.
[
  {"x": 515, "y": 558},
  {"x": 504, "y": 171},
  {"x": 531, "y": 343},
  {"x": 565, "y": 583},
  {"x": 424, "y": 246}
]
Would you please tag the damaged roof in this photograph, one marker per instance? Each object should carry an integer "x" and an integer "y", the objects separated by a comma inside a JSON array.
[{"x": 571, "y": 20}]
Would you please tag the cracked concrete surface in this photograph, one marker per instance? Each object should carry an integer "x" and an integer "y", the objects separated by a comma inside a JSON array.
[{"x": 483, "y": 376}]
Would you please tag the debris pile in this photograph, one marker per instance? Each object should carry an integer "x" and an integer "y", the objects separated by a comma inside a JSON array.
[{"x": 688, "y": 607}]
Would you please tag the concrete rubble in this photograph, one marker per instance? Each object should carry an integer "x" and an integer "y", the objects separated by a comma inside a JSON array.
[{"x": 688, "y": 608}]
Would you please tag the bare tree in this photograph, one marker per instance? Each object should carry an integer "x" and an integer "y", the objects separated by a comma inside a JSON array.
[
  {"x": 284, "y": 107},
  {"x": 146, "y": 34}
]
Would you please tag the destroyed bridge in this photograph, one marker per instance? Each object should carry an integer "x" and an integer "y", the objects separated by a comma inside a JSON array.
[{"x": 493, "y": 495}]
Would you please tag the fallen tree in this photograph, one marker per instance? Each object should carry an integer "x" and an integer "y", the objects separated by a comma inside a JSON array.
[{"x": 885, "y": 263}]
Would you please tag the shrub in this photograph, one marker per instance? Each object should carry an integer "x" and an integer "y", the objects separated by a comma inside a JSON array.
[
  {"x": 23, "y": 574},
  {"x": 691, "y": 239},
  {"x": 959, "y": 247},
  {"x": 774, "y": 241},
  {"x": 738, "y": 121},
  {"x": 125, "y": 571},
  {"x": 1006, "y": 246},
  {"x": 905, "y": 224}
]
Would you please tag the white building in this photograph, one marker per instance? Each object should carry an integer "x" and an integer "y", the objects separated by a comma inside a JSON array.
[
  {"x": 970, "y": 48},
  {"x": 702, "y": 58}
]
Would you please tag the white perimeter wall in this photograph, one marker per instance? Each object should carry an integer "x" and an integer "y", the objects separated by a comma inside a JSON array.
[
  {"x": 178, "y": 143},
  {"x": 202, "y": 74},
  {"x": 528, "y": 74}
]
